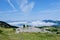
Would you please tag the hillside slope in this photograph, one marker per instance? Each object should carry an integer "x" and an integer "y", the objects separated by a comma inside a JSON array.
[{"x": 9, "y": 34}]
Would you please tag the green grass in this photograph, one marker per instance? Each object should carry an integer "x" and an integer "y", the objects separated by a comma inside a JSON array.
[{"x": 9, "y": 34}]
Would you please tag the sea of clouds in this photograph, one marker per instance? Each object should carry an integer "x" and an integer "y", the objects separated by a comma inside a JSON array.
[{"x": 32, "y": 23}]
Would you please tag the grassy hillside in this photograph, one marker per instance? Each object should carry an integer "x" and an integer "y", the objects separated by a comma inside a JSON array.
[{"x": 9, "y": 34}]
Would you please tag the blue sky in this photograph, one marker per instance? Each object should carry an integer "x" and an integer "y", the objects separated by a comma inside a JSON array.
[{"x": 14, "y": 10}]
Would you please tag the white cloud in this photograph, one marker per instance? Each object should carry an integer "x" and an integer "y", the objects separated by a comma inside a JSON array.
[
  {"x": 16, "y": 23},
  {"x": 12, "y": 5},
  {"x": 9, "y": 11},
  {"x": 41, "y": 23},
  {"x": 9, "y": 1},
  {"x": 25, "y": 6}
]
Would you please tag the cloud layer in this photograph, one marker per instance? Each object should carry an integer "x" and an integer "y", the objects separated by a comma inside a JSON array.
[
  {"x": 34, "y": 23},
  {"x": 41, "y": 23}
]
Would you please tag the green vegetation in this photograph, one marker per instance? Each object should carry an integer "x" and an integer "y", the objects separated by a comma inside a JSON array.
[{"x": 9, "y": 34}]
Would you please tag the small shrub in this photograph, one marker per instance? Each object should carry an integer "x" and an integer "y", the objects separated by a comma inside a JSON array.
[
  {"x": 13, "y": 30},
  {"x": 52, "y": 30},
  {"x": 1, "y": 31},
  {"x": 58, "y": 33}
]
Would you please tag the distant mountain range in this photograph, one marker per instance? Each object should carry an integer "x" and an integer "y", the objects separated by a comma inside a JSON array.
[{"x": 53, "y": 21}]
